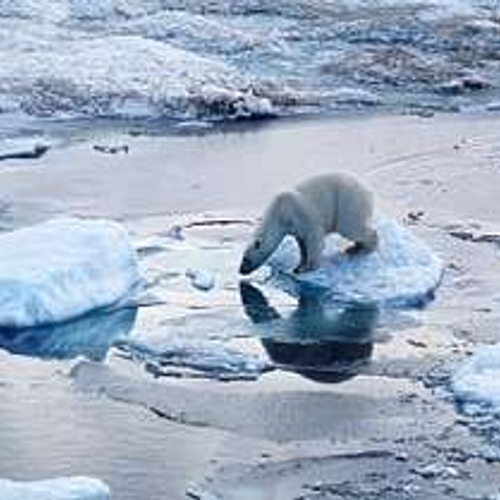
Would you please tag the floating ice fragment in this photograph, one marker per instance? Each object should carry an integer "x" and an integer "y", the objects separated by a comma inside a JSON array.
[
  {"x": 22, "y": 149},
  {"x": 62, "y": 269},
  {"x": 164, "y": 354},
  {"x": 201, "y": 279},
  {"x": 67, "y": 488},
  {"x": 477, "y": 381}
]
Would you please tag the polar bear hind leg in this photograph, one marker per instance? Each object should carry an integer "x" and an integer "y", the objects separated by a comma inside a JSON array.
[{"x": 355, "y": 220}]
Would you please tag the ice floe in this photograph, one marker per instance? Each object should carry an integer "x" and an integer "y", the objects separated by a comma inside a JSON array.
[
  {"x": 402, "y": 272},
  {"x": 22, "y": 149},
  {"x": 477, "y": 381},
  {"x": 70, "y": 488},
  {"x": 62, "y": 269}
]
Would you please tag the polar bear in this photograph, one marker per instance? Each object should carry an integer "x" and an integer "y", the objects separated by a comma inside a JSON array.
[{"x": 330, "y": 203}]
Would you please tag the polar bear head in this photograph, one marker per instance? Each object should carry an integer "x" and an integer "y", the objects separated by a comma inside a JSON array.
[{"x": 269, "y": 234}]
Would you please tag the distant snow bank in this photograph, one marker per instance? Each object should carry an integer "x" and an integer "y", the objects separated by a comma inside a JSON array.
[
  {"x": 62, "y": 269},
  {"x": 132, "y": 77},
  {"x": 70, "y": 488},
  {"x": 477, "y": 381}
]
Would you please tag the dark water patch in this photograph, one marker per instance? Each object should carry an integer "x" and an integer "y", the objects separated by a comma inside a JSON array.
[{"x": 320, "y": 343}]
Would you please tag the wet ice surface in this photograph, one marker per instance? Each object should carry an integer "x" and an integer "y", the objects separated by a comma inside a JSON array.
[
  {"x": 177, "y": 61},
  {"x": 211, "y": 331},
  {"x": 77, "y": 488},
  {"x": 322, "y": 335}
]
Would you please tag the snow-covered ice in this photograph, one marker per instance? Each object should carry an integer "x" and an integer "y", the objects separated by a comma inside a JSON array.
[
  {"x": 402, "y": 272},
  {"x": 62, "y": 269},
  {"x": 477, "y": 381},
  {"x": 70, "y": 488}
]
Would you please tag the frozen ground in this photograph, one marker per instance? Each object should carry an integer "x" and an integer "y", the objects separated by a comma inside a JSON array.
[{"x": 357, "y": 404}]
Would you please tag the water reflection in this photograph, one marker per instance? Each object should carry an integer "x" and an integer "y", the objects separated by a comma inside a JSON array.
[
  {"x": 90, "y": 336},
  {"x": 319, "y": 341}
]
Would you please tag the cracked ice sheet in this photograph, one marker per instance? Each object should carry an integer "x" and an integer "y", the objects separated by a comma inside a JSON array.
[
  {"x": 198, "y": 330},
  {"x": 164, "y": 354},
  {"x": 70, "y": 488}
]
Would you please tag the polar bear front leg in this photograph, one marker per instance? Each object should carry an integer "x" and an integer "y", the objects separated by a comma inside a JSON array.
[
  {"x": 311, "y": 247},
  {"x": 299, "y": 221}
]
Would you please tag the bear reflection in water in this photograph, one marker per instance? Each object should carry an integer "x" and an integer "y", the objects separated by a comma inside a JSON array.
[{"x": 317, "y": 340}]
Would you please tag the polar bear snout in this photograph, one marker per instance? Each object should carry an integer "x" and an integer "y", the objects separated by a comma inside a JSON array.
[
  {"x": 256, "y": 253},
  {"x": 246, "y": 266}
]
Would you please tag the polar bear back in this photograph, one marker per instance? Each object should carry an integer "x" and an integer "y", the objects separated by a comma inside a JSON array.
[{"x": 341, "y": 202}]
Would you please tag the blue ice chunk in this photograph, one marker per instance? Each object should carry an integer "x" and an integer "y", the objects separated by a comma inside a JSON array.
[
  {"x": 63, "y": 269},
  {"x": 402, "y": 272},
  {"x": 477, "y": 380}
]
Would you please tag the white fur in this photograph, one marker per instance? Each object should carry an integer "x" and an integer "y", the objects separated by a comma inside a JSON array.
[{"x": 332, "y": 203}]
